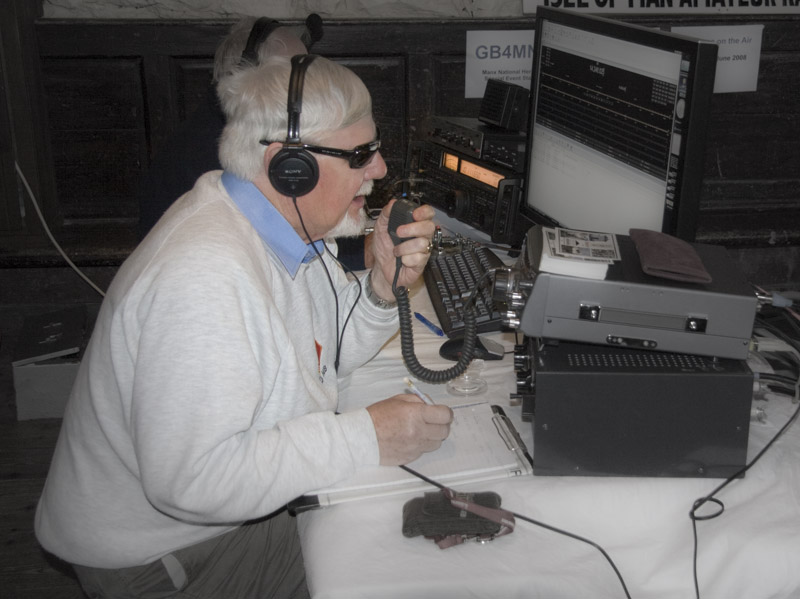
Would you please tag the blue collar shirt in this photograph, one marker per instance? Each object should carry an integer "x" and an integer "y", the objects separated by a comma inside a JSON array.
[{"x": 270, "y": 224}]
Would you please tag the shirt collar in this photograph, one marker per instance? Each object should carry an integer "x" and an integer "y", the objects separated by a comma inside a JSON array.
[{"x": 270, "y": 224}]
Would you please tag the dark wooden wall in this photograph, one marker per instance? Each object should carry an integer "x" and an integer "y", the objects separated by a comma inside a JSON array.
[{"x": 104, "y": 95}]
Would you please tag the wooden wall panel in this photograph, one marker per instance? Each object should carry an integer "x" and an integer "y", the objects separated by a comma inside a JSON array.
[
  {"x": 98, "y": 134},
  {"x": 751, "y": 169},
  {"x": 732, "y": 138},
  {"x": 97, "y": 173},
  {"x": 193, "y": 78},
  {"x": 93, "y": 93},
  {"x": 448, "y": 89}
]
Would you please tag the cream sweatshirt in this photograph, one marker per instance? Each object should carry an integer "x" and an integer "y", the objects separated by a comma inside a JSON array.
[{"x": 207, "y": 393}]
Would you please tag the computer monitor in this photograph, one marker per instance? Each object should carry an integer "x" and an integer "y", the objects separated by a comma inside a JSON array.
[{"x": 617, "y": 126}]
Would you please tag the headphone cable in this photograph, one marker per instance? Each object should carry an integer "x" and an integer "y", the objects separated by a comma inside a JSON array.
[{"x": 339, "y": 336}]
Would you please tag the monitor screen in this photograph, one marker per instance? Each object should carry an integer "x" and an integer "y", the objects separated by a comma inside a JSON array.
[{"x": 616, "y": 134}]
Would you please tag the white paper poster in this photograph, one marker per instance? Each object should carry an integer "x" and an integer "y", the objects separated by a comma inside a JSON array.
[
  {"x": 738, "y": 55},
  {"x": 504, "y": 55}
]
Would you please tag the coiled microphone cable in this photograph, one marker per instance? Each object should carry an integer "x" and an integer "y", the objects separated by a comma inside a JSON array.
[{"x": 407, "y": 337}]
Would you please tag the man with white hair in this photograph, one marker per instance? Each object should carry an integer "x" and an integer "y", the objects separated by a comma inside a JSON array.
[
  {"x": 193, "y": 148},
  {"x": 207, "y": 397}
]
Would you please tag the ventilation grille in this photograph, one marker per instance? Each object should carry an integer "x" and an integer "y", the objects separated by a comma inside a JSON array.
[
  {"x": 637, "y": 360},
  {"x": 492, "y": 106}
]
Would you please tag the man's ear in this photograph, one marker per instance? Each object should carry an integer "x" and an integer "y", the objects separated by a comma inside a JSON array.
[{"x": 270, "y": 152}]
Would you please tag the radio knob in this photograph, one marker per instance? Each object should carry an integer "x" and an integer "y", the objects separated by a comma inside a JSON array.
[
  {"x": 460, "y": 203},
  {"x": 511, "y": 319},
  {"x": 524, "y": 382}
]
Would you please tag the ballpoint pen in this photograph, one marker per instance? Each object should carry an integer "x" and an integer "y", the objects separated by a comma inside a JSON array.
[
  {"x": 413, "y": 388},
  {"x": 431, "y": 327}
]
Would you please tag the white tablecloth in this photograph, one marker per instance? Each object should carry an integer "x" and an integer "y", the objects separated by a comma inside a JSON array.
[{"x": 752, "y": 551}]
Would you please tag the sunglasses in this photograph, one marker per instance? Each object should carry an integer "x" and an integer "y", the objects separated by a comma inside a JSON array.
[{"x": 358, "y": 157}]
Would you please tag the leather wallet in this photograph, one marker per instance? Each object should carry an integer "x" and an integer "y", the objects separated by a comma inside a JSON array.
[
  {"x": 433, "y": 515},
  {"x": 668, "y": 257}
]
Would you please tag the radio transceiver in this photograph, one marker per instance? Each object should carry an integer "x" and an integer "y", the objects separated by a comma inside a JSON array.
[
  {"x": 482, "y": 196},
  {"x": 475, "y": 139},
  {"x": 630, "y": 308}
]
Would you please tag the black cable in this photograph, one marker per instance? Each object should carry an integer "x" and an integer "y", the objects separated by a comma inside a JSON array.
[
  {"x": 711, "y": 496},
  {"x": 540, "y": 524},
  {"x": 721, "y": 506},
  {"x": 793, "y": 324},
  {"x": 693, "y": 516},
  {"x": 777, "y": 382},
  {"x": 582, "y": 539},
  {"x": 348, "y": 270},
  {"x": 407, "y": 334},
  {"x": 777, "y": 378},
  {"x": 780, "y": 389},
  {"x": 339, "y": 335},
  {"x": 778, "y": 332},
  {"x": 407, "y": 344}
]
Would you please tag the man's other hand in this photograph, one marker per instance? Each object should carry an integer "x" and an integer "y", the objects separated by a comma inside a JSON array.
[{"x": 406, "y": 428}]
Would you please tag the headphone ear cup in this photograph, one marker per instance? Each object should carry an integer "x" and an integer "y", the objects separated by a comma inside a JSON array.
[{"x": 293, "y": 172}]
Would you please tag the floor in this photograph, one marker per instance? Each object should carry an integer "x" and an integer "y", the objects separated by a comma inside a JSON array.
[{"x": 26, "y": 571}]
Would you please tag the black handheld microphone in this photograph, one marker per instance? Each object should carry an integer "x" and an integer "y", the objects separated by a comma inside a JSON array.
[{"x": 402, "y": 213}]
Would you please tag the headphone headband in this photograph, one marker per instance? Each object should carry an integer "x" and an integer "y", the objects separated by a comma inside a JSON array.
[
  {"x": 258, "y": 34},
  {"x": 294, "y": 102},
  {"x": 264, "y": 26}
]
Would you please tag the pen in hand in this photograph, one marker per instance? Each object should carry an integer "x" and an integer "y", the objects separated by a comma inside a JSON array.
[
  {"x": 413, "y": 388},
  {"x": 431, "y": 327}
]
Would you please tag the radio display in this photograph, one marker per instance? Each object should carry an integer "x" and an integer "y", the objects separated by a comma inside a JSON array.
[
  {"x": 450, "y": 161},
  {"x": 479, "y": 173},
  {"x": 469, "y": 169}
]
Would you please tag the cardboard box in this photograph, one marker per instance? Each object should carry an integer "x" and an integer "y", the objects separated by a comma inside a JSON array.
[
  {"x": 46, "y": 361},
  {"x": 42, "y": 388}
]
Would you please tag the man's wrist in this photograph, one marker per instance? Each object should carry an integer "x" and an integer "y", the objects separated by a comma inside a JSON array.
[{"x": 374, "y": 298}]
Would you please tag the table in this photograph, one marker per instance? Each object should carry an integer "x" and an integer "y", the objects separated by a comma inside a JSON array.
[{"x": 356, "y": 550}]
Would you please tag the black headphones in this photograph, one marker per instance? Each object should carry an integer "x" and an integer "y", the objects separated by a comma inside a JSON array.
[
  {"x": 293, "y": 171},
  {"x": 264, "y": 26}
]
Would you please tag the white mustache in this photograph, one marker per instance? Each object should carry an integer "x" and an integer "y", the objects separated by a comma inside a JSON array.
[{"x": 365, "y": 189}]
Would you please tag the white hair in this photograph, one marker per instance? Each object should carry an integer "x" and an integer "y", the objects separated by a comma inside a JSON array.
[{"x": 254, "y": 102}]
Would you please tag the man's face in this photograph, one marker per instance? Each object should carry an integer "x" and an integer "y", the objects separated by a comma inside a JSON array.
[{"x": 337, "y": 201}]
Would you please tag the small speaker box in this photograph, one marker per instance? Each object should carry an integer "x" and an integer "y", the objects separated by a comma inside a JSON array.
[{"x": 504, "y": 105}]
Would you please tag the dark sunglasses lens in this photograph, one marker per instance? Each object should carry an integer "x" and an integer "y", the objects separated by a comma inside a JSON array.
[
  {"x": 363, "y": 154},
  {"x": 361, "y": 158}
]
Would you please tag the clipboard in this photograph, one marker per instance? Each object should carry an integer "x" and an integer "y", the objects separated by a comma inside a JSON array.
[{"x": 483, "y": 445}]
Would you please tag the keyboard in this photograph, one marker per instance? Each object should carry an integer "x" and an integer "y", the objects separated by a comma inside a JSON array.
[{"x": 451, "y": 275}]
